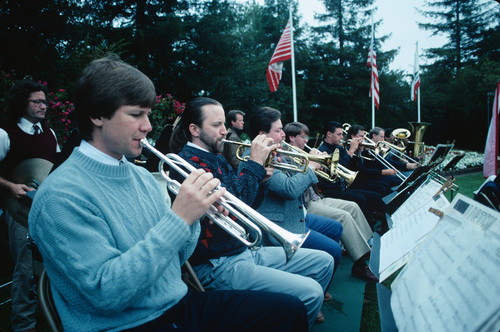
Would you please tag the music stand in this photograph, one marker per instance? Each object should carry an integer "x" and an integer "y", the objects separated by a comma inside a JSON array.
[
  {"x": 408, "y": 189},
  {"x": 453, "y": 162},
  {"x": 440, "y": 152},
  {"x": 417, "y": 172}
]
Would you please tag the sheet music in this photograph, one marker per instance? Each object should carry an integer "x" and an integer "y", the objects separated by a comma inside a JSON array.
[
  {"x": 451, "y": 282},
  {"x": 419, "y": 198},
  {"x": 398, "y": 244}
]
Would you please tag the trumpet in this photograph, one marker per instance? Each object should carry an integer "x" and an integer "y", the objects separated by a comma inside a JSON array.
[
  {"x": 290, "y": 242},
  {"x": 331, "y": 163},
  {"x": 327, "y": 162},
  {"x": 301, "y": 163}
]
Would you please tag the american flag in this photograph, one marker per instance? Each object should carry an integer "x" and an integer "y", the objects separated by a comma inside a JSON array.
[
  {"x": 372, "y": 63},
  {"x": 415, "y": 84},
  {"x": 282, "y": 52},
  {"x": 490, "y": 164}
]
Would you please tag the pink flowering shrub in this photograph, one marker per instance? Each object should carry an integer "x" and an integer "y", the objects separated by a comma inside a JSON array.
[
  {"x": 166, "y": 110},
  {"x": 59, "y": 114}
]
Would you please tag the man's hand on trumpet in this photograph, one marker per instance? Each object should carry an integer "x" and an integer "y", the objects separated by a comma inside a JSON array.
[
  {"x": 196, "y": 195},
  {"x": 261, "y": 148},
  {"x": 355, "y": 145}
]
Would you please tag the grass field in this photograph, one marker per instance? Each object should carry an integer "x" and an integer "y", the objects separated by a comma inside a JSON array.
[{"x": 370, "y": 318}]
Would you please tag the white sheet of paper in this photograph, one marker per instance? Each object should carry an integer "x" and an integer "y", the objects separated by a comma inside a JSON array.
[
  {"x": 421, "y": 196},
  {"x": 398, "y": 244},
  {"x": 452, "y": 281}
]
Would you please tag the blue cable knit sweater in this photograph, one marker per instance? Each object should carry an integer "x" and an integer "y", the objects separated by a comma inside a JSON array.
[
  {"x": 112, "y": 247},
  {"x": 214, "y": 242}
]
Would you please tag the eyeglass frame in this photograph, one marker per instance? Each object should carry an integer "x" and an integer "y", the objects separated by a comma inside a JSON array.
[{"x": 39, "y": 102}]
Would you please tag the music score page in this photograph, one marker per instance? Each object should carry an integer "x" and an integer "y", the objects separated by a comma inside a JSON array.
[
  {"x": 452, "y": 282},
  {"x": 412, "y": 223}
]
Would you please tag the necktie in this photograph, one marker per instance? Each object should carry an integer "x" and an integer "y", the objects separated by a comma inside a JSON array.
[{"x": 36, "y": 130}]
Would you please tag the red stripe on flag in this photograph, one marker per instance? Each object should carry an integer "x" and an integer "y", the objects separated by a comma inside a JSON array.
[
  {"x": 282, "y": 52},
  {"x": 372, "y": 63},
  {"x": 414, "y": 87},
  {"x": 490, "y": 165}
]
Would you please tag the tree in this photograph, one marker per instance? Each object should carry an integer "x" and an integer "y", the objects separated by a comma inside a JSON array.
[
  {"x": 463, "y": 22},
  {"x": 463, "y": 71}
]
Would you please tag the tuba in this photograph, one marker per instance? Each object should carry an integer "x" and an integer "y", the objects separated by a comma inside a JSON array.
[{"x": 418, "y": 131}]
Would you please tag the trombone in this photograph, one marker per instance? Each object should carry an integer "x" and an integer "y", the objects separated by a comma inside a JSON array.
[
  {"x": 378, "y": 151},
  {"x": 301, "y": 162},
  {"x": 290, "y": 242}
]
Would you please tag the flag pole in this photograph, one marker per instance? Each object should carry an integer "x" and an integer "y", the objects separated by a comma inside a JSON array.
[
  {"x": 418, "y": 90},
  {"x": 294, "y": 90},
  {"x": 372, "y": 87}
]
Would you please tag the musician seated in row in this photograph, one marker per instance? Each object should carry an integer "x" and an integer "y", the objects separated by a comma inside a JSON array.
[
  {"x": 235, "y": 121},
  {"x": 378, "y": 180},
  {"x": 222, "y": 261},
  {"x": 113, "y": 247},
  {"x": 283, "y": 201},
  {"x": 370, "y": 202},
  {"x": 356, "y": 230},
  {"x": 24, "y": 136},
  {"x": 396, "y": 159}
]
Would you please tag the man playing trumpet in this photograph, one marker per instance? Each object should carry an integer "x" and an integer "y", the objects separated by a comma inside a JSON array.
[
  {"x": 113, "y": 247},
  {"x": 221, "y": 261},
  {"x": 356, "y": 230}
]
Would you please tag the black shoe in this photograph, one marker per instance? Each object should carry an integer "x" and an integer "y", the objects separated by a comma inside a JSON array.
[{"x": 363, "y": 272}]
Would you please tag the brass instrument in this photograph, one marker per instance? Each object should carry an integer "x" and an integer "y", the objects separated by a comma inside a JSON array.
[
  {"x": 331, "y": 163},
  {"x": 344, "y": 172},
  {"x": 252, "y": 219},
  {"x": 401, "y": 134},
  {"x": 345, "y": 128},
  {"x": 399, "y": 152},
  {"x": 418, "y": 129},
  {"x": 327, "y": 163},
  {"x": 301, "y": 163},
  {"x": 378, "y": 151}
]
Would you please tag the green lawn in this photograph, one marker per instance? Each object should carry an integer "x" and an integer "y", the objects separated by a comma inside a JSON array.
[{"x": 468, "y": 183}]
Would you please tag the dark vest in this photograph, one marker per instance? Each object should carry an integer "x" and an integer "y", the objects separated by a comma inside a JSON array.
[{"x": 25, "y": 146}]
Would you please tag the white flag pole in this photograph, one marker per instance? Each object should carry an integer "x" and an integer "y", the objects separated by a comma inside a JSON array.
[
  {"x": 417, "y": 68},
  {"x": 294, "y": 90},
  {"x": 372, "y": 84}
]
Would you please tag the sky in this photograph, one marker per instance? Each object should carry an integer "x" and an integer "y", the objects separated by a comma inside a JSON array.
[{"x": 399, "y": 20}]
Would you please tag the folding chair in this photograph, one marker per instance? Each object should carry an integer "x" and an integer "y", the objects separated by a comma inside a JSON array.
[{"x": 47, "y": 303}]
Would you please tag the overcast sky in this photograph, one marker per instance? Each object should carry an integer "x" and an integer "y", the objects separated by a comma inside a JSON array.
[{"x": 399, "y": 20}]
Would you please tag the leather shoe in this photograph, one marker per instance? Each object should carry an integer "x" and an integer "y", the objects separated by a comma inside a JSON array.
[
  {"x": 320, "y": 318},
  {"x": 327, "y": 297},
  {"x": 364, "y": 273}
]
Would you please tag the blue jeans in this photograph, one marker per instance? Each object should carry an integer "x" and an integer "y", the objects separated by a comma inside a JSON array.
[
  {"x": 325, "y": 235},
  {"x": 305, "y": 276}
]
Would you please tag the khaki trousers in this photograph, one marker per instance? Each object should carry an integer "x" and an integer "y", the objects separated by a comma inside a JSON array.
[{"x": 356, "y": 232}]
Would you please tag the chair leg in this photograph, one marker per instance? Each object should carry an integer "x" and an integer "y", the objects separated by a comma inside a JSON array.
[{"x": 191, "y": 279}]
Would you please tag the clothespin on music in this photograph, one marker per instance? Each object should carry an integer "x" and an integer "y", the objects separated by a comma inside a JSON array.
[
  {"x": 444, "y": 188},
  {"x": 437, "y": 212}
]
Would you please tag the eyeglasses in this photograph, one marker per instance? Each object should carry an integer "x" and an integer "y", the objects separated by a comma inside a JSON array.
[
  {"x": 39, "y": 102},
  {"x": 305, "y": 137}
]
